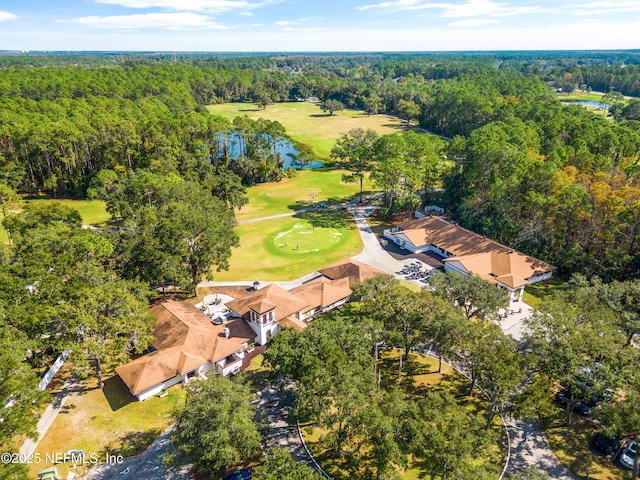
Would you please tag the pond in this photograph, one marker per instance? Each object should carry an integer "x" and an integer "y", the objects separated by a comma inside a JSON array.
[
  {"x": 587, "y": 103},
  {"x": 284, "y": 147}
]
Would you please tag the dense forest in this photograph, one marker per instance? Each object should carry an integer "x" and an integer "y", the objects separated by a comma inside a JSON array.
[{"x": 555, "y": 181}]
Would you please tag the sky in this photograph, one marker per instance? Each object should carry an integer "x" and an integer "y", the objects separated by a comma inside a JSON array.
[{"x": 318, "y": 25}]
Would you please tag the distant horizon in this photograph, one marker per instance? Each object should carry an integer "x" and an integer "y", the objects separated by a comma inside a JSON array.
[
  {"x": 321, "y": 52},
  {"x": 330, "y": 26}
]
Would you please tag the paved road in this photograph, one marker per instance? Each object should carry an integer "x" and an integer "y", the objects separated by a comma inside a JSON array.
[
  {"x": 274, "y": 404},
  {"x": 530, "y": 447},
  {"x": 147, "y": 466},
  {"x": 51, "y": 412}
]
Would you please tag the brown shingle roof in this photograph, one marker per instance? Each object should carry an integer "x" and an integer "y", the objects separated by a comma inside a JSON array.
[
  {"x": 184, "y": 339},
  {"x": 285, "y": 303},
  {"x": 452, "y": 238},
  {"x": 354, "y": 270},
  {"x": 510, "y": 268},
  {"x": 322, "y": 292},
  {"x": 293, "y": 322}
]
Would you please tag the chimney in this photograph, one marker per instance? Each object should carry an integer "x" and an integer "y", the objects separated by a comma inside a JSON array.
[{"x": 227, "y": 332}]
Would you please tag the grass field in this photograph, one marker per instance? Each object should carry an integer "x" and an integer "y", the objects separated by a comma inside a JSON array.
[
  {"x": 287, "y": 248},
  {"x": 307, "y": 187},
  {"x": 109, "y": 421},
  {"x": 307, "y": 123},
  {"x": 571, "y": 446},
  {"x": 418, "y": 375},
  {"x": 93, "y": 212},
  {"x": 536, "y": 293},
  {"x": 580, "y": 96}
]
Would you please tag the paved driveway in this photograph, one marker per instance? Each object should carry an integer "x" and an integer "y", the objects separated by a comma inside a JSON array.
[{"x": 147, "y": 466}]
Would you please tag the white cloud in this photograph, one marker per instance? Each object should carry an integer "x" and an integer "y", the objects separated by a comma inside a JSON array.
[
  {"x": 217, "y": 6},
  {"x": 471, "y": 8},
  {"x": 304, "y": 29},
  {"x": 171, "y": 21},
  {"x": 604, "y": 8},
  {"x": 473, "y": 22},
  {"x": 4, "y": 16},
  {"x": 284, "y": 23}
]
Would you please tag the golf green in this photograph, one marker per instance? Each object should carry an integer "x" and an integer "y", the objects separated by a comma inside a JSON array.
[
  {"x": 304, "y": 238},
  {"x": 287, "y": 248}
]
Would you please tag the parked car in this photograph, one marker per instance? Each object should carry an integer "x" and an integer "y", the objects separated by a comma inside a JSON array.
[
  {"x": 628, "y": 455},
  {"x": 242, "y": 474},
  {"x": 605, "y": 444},
  {"x": 581, "y": 408}
]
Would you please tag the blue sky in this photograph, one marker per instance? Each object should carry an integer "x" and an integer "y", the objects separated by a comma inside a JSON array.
[{"x": 324, "y": 25}]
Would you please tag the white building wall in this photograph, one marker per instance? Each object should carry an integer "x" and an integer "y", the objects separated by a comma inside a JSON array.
[
  {"x": 155, "y": 390},
  {"x": 539, "y": 278},
  {"x": 455, "y": 267}
]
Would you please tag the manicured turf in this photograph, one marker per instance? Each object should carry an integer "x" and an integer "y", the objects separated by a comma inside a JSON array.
[
  {"x": 536, "y": 293},
  {"x": 417, "y": 376},
  {"x": 108, "y": 421},
  {"x": 307, "y": 187},
  {"x": 287, "y": 248},
  {"x": 93, "y": 212},
  {"x": 571, "y": 446},
  {"x": 307, "y": 123},
  {"x": 580, "y": 96}
]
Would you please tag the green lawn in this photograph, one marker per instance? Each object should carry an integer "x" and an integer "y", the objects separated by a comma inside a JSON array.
[
  {"x": 307, "y": 123},
  {"x": 307, "y": 187},
  {"x": 93, "y": 212},
  {"x": 419, "y": 375},
  {"x": 287, "y": 248},
  {"x": 109, "y": 421},
  {"x": 535, "y": 294},
  {"x": 571, "y": 446},
  {"x": 580, "y": 96}
]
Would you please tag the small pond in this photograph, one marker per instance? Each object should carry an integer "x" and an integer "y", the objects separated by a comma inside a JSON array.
[
  {"x": 283, "y": 147},
  {"x": 587, "y": 103}
]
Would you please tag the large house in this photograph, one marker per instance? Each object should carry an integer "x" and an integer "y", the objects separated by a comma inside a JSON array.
[
  {"x": 187, "y": 343},
  {"x": 464, "y": 251}
]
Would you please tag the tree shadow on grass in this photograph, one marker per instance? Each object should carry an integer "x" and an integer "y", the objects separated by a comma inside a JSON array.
[
  {"x": 133, "y": 443},
  {"x": 117, "y": 393},
  {"x": 327, "y": 218}
]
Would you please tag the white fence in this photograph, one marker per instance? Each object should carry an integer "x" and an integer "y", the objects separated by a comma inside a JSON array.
[{"x": 53, "y": 370}]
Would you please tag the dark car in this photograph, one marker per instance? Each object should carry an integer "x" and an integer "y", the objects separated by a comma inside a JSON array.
[
  {"x": 605, "y": 444},
  {"x": 562, "y": 397},
  {"x": 243, "y": 474}
]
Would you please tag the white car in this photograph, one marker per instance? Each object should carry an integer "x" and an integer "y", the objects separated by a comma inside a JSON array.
[{"x": 628, "y": 455}]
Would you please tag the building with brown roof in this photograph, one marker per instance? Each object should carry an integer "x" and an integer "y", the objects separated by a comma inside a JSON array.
[
  {"x": 186, "y": 343},
  {"x": 322, "y": 295},
  {"x": 467, "y": 252},
  {"x": 355, "y": 271}
]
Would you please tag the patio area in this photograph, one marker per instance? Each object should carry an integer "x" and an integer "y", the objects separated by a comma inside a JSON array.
[{"x": 215, "y": 306}]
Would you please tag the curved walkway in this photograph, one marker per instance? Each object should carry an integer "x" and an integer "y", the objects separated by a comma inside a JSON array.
[
  {"x": 274, "y": 406},
  {"x": 147, "y": 466}
]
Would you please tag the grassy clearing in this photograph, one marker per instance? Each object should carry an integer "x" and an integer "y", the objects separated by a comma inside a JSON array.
[
  {"x": 109, "y": 421},
  {"x": 571, "y": 446},
  {"x": 286, "y": 248},
  {"x": 307, "y": 187},
  {"x": 307, "y": 123},
  {"x": 93, "y": 212},
  {"x": 256, "y": 376},
  {"x": 537, "y": 293},
  {"x": 580, "y": 96},
  {"x": 418, "y": 376}
]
